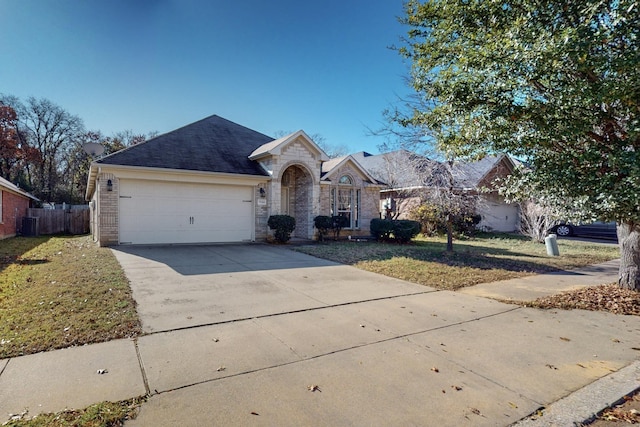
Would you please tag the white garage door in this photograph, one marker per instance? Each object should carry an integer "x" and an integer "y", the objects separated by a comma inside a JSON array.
[
  {"x": 168, "y": 212},
  {"x": 498, "y": 216}
]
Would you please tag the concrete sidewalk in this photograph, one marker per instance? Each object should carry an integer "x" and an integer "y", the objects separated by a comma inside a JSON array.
[
  {"x": 531, "y": 287},
  {"x": 426, "y": 357}
]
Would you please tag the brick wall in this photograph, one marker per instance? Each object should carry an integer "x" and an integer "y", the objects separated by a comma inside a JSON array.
[
  {"x": 14, "y": 208},
  {"x": 369, "y": 198}
]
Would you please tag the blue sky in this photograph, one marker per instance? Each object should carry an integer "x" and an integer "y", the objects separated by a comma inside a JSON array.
[{"x": 144, "y": 65}]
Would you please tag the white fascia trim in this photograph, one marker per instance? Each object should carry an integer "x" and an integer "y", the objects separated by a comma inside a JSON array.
[{"x": 179, "y": 175}]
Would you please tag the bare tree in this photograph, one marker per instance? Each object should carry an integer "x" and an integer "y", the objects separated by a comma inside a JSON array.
[
  {"x": 535, "y": 219},
  {"x": 414, "y": 180}
]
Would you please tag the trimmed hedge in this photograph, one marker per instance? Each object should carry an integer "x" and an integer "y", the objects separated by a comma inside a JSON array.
[
  {"x": 326, "y": 223},
  {"x": 339, "y": 222},
  {"x": 323, "y": 223},
  {"x": 402, "y": 230},
  {"x": 283, "y": 225}
]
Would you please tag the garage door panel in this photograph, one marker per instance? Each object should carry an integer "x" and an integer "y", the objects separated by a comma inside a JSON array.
[{"x": 163, "y": 212}]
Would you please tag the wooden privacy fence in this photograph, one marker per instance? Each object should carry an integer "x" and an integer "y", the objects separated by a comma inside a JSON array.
[{"x": 56, "y": 221}]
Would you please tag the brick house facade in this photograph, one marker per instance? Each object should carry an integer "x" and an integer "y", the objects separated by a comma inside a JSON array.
[
  {"x": 215, "y": 181},
  {"x": 14, "y": 203}
]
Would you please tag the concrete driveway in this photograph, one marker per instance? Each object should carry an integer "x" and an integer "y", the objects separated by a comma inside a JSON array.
[
  {"x": 178, "y": 287},
  {"x": 261, "y": 335}
]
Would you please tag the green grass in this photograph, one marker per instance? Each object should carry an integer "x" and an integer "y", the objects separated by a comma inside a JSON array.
[
  {"x": 57, "y": 292},
  {"x": 486, "y": 258}
]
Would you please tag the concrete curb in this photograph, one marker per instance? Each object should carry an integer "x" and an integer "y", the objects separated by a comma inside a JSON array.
[{"x": 583, "y": 405}]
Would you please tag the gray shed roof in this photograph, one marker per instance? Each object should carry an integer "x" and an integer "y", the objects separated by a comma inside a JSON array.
[{"x": 213, "y": 144}]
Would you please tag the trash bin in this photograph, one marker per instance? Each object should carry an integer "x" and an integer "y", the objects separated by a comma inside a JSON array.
[
  {"x": 552, "y": 245},
  {"x": 30, "y": 226}
]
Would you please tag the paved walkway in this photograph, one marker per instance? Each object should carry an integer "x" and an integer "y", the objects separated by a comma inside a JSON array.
[{"x": 416, "y": 357}]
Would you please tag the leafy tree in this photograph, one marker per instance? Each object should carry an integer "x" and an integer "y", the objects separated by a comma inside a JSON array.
[
  {"x": 554, "y": 83},
  {"x": 52, "y": 132},
  {"x": 9, "y": 147},
  {"x": 14, "y": 154}
]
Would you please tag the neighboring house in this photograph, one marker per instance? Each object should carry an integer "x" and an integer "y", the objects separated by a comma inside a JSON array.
[
  {"x": 216, "y": 181},
  {"x": 410, "y": 176},
  {"x": 14, "y": 203}
]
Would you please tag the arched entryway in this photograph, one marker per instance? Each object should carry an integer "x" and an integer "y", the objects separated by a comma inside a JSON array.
[{"x": 297, "y": 199}]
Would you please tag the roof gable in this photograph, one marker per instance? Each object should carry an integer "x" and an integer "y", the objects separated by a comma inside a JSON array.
[
  {"x": 333, "y": 165},
  {"x": 213, "y": 144},
  {"x": 275, "y": 147},
  {"x": 481, "y": 172}
]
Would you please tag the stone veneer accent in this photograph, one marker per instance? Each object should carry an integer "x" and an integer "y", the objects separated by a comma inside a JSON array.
[
  {"x": 262, "y": 211},
  {"x": 304, "y": 192}
]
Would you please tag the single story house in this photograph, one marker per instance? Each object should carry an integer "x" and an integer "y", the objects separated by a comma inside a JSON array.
[
  {"x": 14, "y": 203},
  {"x": 217, "y": 181},
  {"x": 410, "y": 177}
]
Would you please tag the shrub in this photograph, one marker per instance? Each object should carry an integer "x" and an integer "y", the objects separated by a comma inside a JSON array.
[
  {"x": 338, "y": 223},
  {"x": 466, "y": 224},
  {"x": 429, "y": 218},
  {"x": 283, "y": 225},
  {"x": 323, "y": 223},
  {"x": 402, "y": 230},
  {"x": 381, "y": 229},
  {"x": 433, "y": 220}
]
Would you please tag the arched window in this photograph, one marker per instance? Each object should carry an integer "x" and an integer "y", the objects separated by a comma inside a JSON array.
[
  {"x": 345, "y": 180},
  {"x": 345, "y": 201}
]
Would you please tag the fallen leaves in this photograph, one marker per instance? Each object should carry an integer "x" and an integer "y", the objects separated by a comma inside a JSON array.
[
  {"x": 611, "y": 298},
  {"x": 628, "y": 412}
]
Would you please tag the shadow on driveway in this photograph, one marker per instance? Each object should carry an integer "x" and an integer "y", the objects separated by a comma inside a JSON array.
[{"x": 222, "y": 258}]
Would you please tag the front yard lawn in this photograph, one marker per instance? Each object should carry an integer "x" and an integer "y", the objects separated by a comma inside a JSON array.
[
  {"x": 485, "y": 258},
  {"x": 58, "y": 292}
]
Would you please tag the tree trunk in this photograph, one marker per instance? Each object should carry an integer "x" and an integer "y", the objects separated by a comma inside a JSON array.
[
  {"x": 629, "y": 241},
  {"x": 449, "y": 235}
]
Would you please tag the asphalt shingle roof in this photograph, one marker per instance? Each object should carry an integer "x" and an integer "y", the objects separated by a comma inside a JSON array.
[
  {"x": 403, "y": 169},
  {"x": 213, "y": 144}
]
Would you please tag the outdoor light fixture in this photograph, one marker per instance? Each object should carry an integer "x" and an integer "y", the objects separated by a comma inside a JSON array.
[
  {"x": 109, "y": 185},
  {"x": 262, "y": 192}
]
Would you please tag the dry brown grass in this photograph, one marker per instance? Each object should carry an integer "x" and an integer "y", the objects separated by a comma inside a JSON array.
[
  {"x": 57, "y": 292},
  {"x": 486, "y": 258}
]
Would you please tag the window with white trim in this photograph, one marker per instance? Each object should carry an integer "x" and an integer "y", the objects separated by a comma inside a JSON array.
[{"x": 345, "y": 201}]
